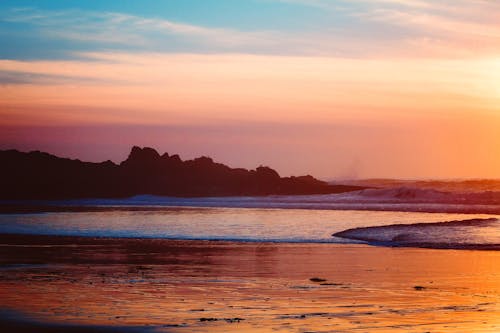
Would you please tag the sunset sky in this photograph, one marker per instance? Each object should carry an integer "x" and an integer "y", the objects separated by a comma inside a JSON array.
[{"x": 336, "y": 89}]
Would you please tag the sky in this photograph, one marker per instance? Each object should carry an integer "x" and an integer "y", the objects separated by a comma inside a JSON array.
[{"x": 338, "y": 89}]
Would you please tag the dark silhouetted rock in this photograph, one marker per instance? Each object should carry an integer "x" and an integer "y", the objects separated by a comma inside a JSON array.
[
  {"x": 38, "y": 175},
  {"x": 317, "y": 279}
]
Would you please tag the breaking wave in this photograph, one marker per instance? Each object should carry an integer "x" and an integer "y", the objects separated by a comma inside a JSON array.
[
  {"x": 482, "y": 234},
  {"x": 384, "y": 199},
  {"x": 424, "y": 195}
]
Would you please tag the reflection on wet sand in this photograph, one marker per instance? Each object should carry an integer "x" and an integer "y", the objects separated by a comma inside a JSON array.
[{"x": 200, "y": 286}]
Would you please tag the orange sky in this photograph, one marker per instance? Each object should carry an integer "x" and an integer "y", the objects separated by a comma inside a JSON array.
[{"x": 435, "y": 113}]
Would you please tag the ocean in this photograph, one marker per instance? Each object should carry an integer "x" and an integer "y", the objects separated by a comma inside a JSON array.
[{"x": 374, "y": 214}]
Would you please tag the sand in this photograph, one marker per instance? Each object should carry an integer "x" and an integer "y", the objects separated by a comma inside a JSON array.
[{"x": 57, "y": 284}]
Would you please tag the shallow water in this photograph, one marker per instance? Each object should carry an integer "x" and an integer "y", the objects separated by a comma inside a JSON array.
[{"x": 244, "y": 224}]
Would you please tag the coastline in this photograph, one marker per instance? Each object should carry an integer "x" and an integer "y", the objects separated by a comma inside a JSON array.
[{"x": 221, "y": 286}]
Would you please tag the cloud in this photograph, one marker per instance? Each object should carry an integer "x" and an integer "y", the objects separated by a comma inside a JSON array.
[
  {"x": 352, "y": 29},
  {"x": 165, "y": 88},
  {"x": 126, "y": 29},
  {"x": 422, "y": 28},
  {"x": 119, "y": 31},
  {"x": 13, "y": 77},
  {"x": 436, "y": 23}
]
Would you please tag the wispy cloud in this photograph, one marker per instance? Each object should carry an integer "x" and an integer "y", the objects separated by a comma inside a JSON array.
[
  {"x": 119, "y": 31},
  {"x": 120, "y": 28},
  {"x": 459, "y": 28},
  {"x": 368, "y": 29},
  {"x": 436, "y": 24}
]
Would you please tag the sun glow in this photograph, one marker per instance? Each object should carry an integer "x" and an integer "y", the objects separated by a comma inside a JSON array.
[{"x": 361, "y": 104}]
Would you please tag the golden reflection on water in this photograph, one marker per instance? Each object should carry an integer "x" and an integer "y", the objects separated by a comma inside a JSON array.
[{"x": 181, "y": 285}]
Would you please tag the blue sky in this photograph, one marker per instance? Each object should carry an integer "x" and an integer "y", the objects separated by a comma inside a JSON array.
[
  {"x": 32, "y": 29},
  {"x": 241, "y": 14},
  {"x": 356, "y": 28}
]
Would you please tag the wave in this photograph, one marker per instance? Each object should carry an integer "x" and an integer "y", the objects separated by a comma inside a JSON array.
[
  {"x": 423, "y": 195},
  {"x": 463, "y": 185},
  {"x": 386, "y": 195},
  {"x": 482, "y": 234},
  {"x": 383, "y": 199}
]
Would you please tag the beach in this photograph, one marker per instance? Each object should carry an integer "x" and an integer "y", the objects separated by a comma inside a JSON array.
[
  {"x": 252, "y": 166},
  {"x": 159, "y": 285}
]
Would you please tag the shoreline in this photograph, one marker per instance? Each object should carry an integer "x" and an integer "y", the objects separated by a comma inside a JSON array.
[
  {"x": 20, "y": 240},
  {"x": 204, "y": 286}
]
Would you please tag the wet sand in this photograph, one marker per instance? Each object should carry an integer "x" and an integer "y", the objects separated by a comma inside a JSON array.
[{"x": 55, "y": 284}]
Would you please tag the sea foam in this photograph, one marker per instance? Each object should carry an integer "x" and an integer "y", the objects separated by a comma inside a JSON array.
[
  {"x": 464, "y": 234},
  {"x": 384, "y": 199}
]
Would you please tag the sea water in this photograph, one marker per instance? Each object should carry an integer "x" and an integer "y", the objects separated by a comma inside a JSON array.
[
  {"x": 237, "y": 224},
  {"x": 305, "y": 218}
]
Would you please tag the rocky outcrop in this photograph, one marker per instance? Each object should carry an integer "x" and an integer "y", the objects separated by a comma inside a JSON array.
[{"x": 38, "y": 175}]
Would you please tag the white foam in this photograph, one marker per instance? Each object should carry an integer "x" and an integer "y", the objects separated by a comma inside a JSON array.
[
  {"x": 471, "y": 233},
  {"x": 386, "y": 199}
]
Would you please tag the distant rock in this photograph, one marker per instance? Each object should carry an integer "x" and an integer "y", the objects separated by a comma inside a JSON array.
[
  {"x": 141, "y": 157},
  {"x": 38, "y": 175}
]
